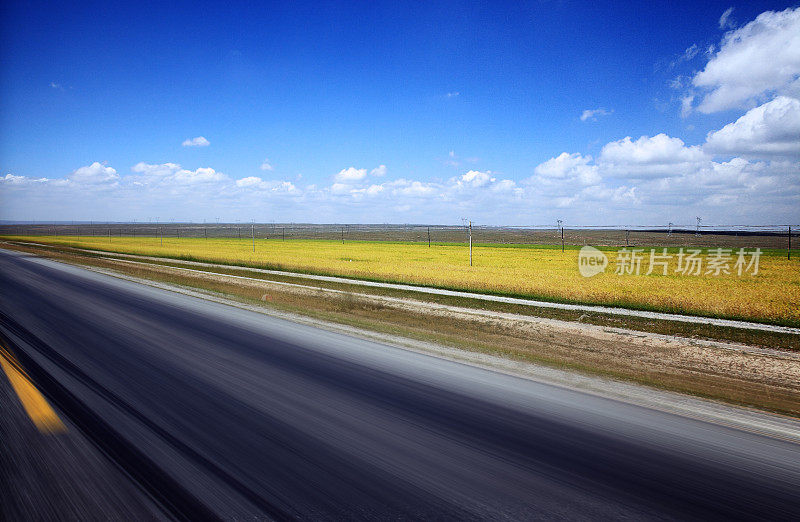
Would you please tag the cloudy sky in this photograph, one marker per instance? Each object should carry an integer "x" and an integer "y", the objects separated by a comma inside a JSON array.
[{"x": 609, "y": 113}]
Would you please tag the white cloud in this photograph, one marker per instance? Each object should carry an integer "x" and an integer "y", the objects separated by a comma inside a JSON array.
[
  {"x": 374, "y": 190},
  {"x": 404, "y": 187},
  {"x": 55, "y": 85},
  {"x": 686, "y": 105},
  {"x": 739, "y": 189},
  {"x": 196, "y": 142},
  {"x": 283, "y": 186},
  {"x": 772, "y": 129},
  {"x": 653, "y": 175},
  {"x": 592, "y": 114},
  {"x": 14, "y": 180},
  {"x": 201, "y": 175},
  {"x": 504, "y": 185},
  {"x": 754, "y": 61},
  {"x": 351, "y": 174},
  {"x": 569, "y": 167},
  {"x": 256, "y": 183},
  {"x": 655, "y": 156},
  {"x": 165, "y": 169},
  {"x": 690, "y": 52},
  {"x": 174, "y": 174},
  {"x": 465, "y": 189},
  {"x": 354, "y": 175},
  {"x": 688, "y": 55},
  {"x": 249, "y": 181},
  {"x": 683, "y": 182},
  {"x": 725, "y": 21},
  {"x": 452, "y": 94},
  {"x": 341, "y": 188},
  {"x": 476, "y": 178},
  {"x": 94, "y": 174},
  {"x": 734, "y": 188},
  {"x": 266, "y": 165},
  {"x": 286, "y": 187}
]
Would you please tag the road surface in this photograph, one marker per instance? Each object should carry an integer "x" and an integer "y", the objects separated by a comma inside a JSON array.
[{"x": 176, "y": 407}]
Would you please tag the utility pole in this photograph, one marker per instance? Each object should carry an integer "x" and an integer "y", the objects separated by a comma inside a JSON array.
[
  {"x": 109, "y": 235},
  {"x": 669, "y": 233},
  {"x": 343, "y": 235},
  {"x": 470, "y": 243},
  {"x": 627, "y": 233},
  {"x": 561, "y": 232},
  {"x": 789, "y": 246},
  {"x": 253, "y": 233},
  {"x": 429, "y": 237},
  {"x": 161, "y": 235},
  {"x": 697, "y": 231},
  {"x": 283, "y": 233}
]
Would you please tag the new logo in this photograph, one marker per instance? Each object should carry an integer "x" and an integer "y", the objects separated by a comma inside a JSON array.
[{"x": 591, "y": 261}]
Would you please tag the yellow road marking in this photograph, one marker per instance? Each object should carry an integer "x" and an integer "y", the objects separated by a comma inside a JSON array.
[{"x": 32, "y": 400}]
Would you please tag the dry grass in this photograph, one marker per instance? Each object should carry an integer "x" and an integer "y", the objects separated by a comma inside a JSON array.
[{"x": 544, "y": 272}]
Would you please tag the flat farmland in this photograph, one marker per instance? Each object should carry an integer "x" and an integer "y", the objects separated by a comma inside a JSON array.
[{"x": 771, "y": 295}]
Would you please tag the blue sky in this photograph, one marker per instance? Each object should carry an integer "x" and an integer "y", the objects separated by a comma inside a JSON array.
[{"x": 440, "y": 111}]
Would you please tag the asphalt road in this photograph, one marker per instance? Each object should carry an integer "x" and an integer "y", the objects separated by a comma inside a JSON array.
[{"x": 177, "y": 407}]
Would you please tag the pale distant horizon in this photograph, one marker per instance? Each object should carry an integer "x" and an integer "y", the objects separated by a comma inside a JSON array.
[{"x": 691, "y": 227}]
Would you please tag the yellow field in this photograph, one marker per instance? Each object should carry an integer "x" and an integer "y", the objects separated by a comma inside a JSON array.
[{"x": 773, "y": 295}]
